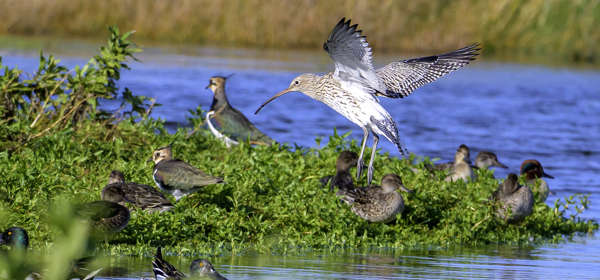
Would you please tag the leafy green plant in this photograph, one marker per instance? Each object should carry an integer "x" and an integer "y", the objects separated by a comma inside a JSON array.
[
  {"x": 55, "y": 98},
  {"x": 272, "y": 201}
]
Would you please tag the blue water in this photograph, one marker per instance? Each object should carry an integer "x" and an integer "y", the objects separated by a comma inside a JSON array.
[{"x": 517, "y": 111}]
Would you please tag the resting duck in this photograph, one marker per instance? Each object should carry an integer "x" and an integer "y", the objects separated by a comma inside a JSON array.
[
  {"x": 516, "y": 202},
  {"x": 377, "y": 204},
  {"x": 533, "y": 171},
  {"x": 142, "y": 196}
]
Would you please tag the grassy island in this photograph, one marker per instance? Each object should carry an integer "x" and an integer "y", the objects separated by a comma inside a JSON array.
[{"x": 57, "y": 148}]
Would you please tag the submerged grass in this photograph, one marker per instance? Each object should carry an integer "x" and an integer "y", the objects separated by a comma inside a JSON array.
[{"x": 555, "y": 29}]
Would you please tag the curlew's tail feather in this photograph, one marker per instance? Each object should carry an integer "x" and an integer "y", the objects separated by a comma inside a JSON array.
[{"x": 390, "y": 131}]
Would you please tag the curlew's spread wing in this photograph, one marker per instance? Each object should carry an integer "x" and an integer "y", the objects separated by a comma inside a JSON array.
[
  {"x": 402, "y": 77},
  {"x": 352, "y": 57}
]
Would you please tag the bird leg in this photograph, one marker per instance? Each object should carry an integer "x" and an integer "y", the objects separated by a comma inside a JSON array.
[
  {"x": 360, "y": 163},
  {"x": 370, "y": 169}
]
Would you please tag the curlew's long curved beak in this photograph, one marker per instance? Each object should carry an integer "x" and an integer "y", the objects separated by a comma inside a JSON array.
[{"x": 272, "y": 98}]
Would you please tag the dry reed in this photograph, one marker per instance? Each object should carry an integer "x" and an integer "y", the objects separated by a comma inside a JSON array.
[{"x": 560, "y": 28}]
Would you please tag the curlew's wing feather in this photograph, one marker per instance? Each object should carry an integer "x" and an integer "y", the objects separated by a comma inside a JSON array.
[
  {"x": 352, "y": 57},
  {"x": 390, "y": 131},
  {"x": 402, "y": 77}
]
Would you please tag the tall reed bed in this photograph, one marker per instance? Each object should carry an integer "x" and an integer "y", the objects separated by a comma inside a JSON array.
[{"x": 561, "y": 28}]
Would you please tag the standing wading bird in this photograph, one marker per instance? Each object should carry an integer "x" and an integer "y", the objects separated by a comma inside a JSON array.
[
  {"x": 226, "y": 122},
  {"x": 353, "y": 87},
  {"x": 178, "y": 177}
]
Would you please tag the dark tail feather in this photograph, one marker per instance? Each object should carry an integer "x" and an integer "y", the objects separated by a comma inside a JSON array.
[{"x": 390, "y": 131}]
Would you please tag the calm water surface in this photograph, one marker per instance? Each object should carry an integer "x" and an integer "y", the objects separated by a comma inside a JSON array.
[{"x": 517, "y": 111}]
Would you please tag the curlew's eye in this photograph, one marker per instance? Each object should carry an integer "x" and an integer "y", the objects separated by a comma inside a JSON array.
[{"x": 296, "y": 82}]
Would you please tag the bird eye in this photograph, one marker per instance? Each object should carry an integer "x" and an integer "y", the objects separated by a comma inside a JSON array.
[{"x": 296, "y": 82}]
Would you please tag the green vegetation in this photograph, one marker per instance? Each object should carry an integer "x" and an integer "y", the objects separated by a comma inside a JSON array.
[
  {"x": 554, "y": 29},
  {"x": 58, "y": 148}
]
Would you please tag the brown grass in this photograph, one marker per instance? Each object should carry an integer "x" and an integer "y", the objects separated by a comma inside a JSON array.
[{"x": 506, "y": 27}]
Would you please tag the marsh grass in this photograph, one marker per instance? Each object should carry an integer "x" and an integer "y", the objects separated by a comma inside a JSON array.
[
  {"x": 555, "y": 29},
  {"x": 272, "y": 200}
]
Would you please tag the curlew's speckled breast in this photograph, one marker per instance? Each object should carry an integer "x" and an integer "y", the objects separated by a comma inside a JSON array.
[{"x": 358, "y": 106}]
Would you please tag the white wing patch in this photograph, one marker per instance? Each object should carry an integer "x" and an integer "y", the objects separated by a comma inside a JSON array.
[{"x": 352, "y": 57}]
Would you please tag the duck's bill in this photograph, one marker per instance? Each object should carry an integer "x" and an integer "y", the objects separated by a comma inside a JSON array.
[
  {"x": 501, "y": 165},
  {"x": 403, "y": 188},
  {"x": 547, "y": 175},
  {"x": 271, "y": 99}
]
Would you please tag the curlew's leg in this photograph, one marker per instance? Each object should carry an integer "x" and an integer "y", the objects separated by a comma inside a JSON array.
[
  {"x": 360, "y": 164},
  {"x": 370, "y": 169}
]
